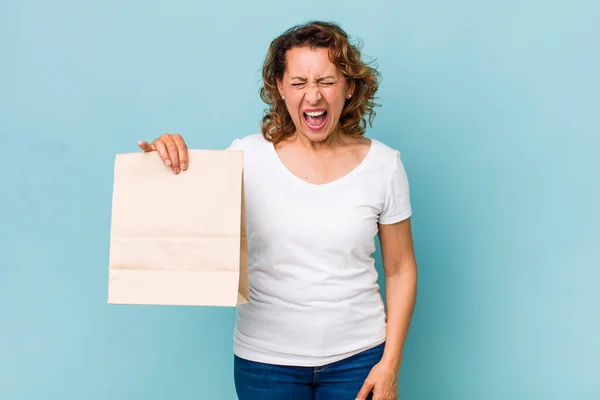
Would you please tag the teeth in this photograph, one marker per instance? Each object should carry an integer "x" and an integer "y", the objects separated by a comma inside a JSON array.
[{"x": 315, "y": 113}]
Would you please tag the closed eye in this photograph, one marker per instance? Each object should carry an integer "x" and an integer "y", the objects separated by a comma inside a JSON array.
[{"x": 297, "y": 84}]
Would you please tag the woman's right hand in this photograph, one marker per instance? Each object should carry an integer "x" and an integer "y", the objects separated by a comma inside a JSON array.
[{"x": 172, "y": 150}]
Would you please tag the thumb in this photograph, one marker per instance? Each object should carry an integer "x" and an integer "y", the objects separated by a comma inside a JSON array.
[
  {"x": 364, "y": 391},
  {"x": 145, "y": 146}
]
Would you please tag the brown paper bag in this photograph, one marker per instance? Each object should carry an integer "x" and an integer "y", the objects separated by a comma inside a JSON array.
[{"x": 179, "y": 239}]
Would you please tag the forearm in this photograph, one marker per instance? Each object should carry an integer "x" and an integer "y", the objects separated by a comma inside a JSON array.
[{"x": 400, "y": 294}]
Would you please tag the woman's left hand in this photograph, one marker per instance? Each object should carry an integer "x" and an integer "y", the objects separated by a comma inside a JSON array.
[{"x": 382, "y": 381}]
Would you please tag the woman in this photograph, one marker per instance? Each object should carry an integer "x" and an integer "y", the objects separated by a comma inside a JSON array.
[{"x": 317, "y": 193}]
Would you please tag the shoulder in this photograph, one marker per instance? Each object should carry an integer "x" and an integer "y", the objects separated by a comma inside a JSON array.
[
  {"x": 384, "y": 151},
  {"x": 387, "y": 157},
  {"x": 249, "y": 142}
]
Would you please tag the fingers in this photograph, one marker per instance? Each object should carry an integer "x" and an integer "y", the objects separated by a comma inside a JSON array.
[
  {"x": 145, "y": 146},
  {"x": 171, "y": 149},
  {"x": 163, "y": 153},
  {"x": 366, "y": 389},
  {"x": 172, "y": 152},
  {"x": 182, "y": 151}
]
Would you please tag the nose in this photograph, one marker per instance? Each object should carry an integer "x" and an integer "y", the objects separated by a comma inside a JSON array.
[{"x": 313, "y": 94}]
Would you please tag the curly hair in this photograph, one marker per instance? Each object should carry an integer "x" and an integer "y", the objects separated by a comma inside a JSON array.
[{"x": 277, "y": 123}]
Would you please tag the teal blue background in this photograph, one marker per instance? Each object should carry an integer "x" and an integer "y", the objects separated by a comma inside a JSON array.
[{"x": 495, "y": 106}]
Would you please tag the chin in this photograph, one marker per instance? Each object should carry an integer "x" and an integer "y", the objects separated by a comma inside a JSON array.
[{"x": 318, "y": 136}]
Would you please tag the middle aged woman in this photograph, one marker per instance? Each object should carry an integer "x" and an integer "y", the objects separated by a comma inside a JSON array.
[{"x": 317, "y": 194}]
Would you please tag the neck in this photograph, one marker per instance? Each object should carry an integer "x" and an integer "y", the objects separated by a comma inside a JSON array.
[{"x": 332, "y": 141}]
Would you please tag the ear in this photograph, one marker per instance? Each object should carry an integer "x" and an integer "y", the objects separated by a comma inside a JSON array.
[{"x": 350, "y": 87}]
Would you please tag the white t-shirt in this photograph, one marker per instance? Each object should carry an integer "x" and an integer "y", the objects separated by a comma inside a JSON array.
[{"x": 314, "y": 297}]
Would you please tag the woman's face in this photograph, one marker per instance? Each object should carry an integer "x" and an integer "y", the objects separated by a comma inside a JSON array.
[{"x": 314, "y": 90}]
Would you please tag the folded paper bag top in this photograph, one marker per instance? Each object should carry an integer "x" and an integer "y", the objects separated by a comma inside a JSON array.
[{"x": 179, "y": 239}]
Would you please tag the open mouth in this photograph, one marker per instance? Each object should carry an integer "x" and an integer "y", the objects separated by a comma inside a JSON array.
[{"x": 315, "y": 119}]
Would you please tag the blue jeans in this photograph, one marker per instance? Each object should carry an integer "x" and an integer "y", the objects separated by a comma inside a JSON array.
[{"x": 340, "y": 380}]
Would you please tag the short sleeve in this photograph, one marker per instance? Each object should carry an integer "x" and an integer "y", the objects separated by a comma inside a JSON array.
[
  {"x": 396, "y": 205},
  {"x": 235, "y": 145}
]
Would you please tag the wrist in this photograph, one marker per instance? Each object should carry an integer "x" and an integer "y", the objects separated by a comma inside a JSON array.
[{"x": 392, "y": 362}]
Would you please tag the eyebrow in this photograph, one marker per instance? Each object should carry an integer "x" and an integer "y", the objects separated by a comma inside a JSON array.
[{"x": 320, "y": 79}]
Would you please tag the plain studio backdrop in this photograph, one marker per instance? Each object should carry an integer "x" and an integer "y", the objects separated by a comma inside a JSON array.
[{"x": 495, "y": 106}]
